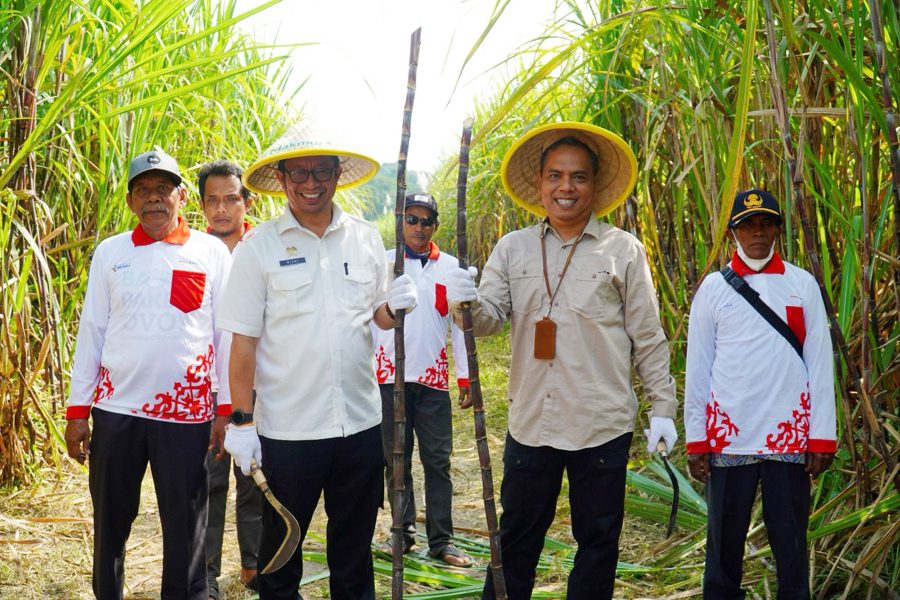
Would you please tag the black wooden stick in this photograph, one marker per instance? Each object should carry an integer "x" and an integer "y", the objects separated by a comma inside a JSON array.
[
  {"x": 484, "y": 456},
  {"x": 397, "y": 487}
]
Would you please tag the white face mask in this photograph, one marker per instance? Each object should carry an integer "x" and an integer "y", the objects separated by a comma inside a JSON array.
[{"x": 756, "y": 264}]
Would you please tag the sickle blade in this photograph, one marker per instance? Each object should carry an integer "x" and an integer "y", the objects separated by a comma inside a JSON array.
[
  {"x": 661, "y": 448},
  {"x": 292, "y": 537}
]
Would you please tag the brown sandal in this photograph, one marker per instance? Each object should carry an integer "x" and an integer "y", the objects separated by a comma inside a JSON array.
[{"x": 455, "y": 557}]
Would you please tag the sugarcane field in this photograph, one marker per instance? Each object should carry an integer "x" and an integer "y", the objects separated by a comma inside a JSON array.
[{"x": 440, "y": 299}]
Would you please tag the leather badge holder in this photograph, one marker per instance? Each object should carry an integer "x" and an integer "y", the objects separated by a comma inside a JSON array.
[{"x": 545, "y": 339}]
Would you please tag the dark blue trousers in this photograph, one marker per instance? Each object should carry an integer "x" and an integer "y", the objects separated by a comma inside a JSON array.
[
  {"x": 532, "y": 479},
  {"x": 121, "y": 448},
  {"x": 349, "y": 471},
  {"x": 730, "y": 494}
]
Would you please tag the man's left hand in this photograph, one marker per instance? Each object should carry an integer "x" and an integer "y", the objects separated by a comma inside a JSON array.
[
  {"x": 403, "y": 294},
  {"x": 465, "y": 397},
  {"x": 661, "y": 428},
  {"x": 217, "y": 436},
  {"x": 817, "y": 462}
]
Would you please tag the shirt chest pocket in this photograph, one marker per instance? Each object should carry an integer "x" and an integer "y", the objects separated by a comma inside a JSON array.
[
  {"x": 526, "y": 290},
  {"x": 594, "y": 295},
  {"x": 186, "y": 290},
  {"x": 359, "y": 287},
  {"x": 290, "y": 293}
]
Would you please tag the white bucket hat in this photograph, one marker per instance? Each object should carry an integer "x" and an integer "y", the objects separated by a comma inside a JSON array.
[
  {"x": 616, "y": 175},
  {"x": 298, "y": 140}
]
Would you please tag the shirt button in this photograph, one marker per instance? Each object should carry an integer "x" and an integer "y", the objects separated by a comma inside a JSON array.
[
  {"x": 594, "y": 276},
  {"x": 548, "y": 395},
  {"x": 551, "y": 364}
]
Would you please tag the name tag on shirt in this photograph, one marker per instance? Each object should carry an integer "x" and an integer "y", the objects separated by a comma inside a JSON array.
[{"x": 292, "y": 261}]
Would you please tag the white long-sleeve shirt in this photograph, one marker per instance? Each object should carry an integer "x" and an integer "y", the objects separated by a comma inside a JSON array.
[
  {"x": 147, "y": 340},
  {"x": 425, "y": 328},
  {"x": 747, "y": 392}
]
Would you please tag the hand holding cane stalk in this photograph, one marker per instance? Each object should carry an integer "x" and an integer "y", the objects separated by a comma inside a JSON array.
[
  {"x": 484, "y": 457},
  {"x": 397, "y": 484}
]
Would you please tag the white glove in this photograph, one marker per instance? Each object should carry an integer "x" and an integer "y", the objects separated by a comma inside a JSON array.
[
  {"x": 660, "y": 428},
  {"x": 242, "y": 443},
  {"x": 461, "y": 285},
  {"x": 403, "y": 294}
]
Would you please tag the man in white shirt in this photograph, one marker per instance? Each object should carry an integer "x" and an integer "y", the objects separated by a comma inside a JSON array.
[
  {"x": 144, "y": 357},
  {"x": 305, "y": 287},
  {"x": 758, "y": 403},
  {"x": 426, "y": 395},
  {"x": 225, "y": 202}
]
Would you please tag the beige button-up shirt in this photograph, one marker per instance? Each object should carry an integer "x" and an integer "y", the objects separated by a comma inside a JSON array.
[{"x": 607, "y": 318}]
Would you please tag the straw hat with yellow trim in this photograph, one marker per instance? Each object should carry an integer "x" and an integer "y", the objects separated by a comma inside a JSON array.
[
  {"x": 616, "y": 175},
  {"x": 299, "y": 140}
]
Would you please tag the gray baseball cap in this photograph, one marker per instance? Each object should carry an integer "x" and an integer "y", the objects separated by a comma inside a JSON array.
[{"x": 155, "y": 160}]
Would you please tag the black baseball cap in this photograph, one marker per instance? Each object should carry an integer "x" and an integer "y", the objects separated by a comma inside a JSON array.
[
  {"x": 753, "y": 202},
  {"x": 422, "y": 199}
]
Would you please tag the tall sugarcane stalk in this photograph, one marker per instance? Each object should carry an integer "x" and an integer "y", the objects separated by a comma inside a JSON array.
[
  {"x": 484, "y": 455},
  {"x": 398, "y": 490},
  {"x": 870, "y": 417},
  {"x": 893, "y": 142}
]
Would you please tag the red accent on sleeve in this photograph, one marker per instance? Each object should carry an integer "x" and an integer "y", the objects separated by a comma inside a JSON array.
[
  {"x": 462, "y": 382},
  {"x": 795, "y": 322},
  {"x": 440, "y": 299},
  {"x": 824, "y": 446},
  {"x": 78, "y": 412},
  {"x": 698, "y": 447},
  {"x": 223, "y": 410}
]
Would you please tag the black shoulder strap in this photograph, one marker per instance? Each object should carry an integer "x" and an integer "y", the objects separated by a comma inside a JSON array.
[{"x": 752, "y": 296}]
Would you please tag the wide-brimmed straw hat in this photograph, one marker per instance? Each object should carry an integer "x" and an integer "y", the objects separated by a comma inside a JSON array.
[
  {"x": 616, "y": 175},
  {"x": 300, "y": 140}
]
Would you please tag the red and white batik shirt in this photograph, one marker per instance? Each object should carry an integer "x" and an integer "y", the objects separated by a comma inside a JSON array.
[
  {"x": 747, "y": 392},
  {"x": 425, "y": 328},
  {"x": 147, "y": 340}
]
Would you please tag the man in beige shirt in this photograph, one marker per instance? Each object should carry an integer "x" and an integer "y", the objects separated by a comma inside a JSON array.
[{"x": 582, "y": 309}]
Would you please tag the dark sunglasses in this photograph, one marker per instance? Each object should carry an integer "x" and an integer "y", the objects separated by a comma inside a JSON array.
[{"x": 425, "y": 221}]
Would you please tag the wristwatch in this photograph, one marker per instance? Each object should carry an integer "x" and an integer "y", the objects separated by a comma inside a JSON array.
[{"x": 239, "y": 417}]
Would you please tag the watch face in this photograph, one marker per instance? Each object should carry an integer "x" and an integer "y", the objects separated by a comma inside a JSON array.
[{"x": 239, "y": 417}]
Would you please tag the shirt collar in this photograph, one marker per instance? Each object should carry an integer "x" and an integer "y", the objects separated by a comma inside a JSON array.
[
  {"x": 433, "y": 252},
  {"x": 774, "y": 266},
  {"x": 593, "y": 228},
  {"x": 178, "y": 236},
  {"x": 288, "y": 221}
]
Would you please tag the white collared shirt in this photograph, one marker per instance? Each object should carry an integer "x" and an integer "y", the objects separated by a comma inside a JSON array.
[{"x": 309, "y": 301}]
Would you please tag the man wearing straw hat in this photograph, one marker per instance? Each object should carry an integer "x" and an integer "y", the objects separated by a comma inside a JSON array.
[
  {"x": 582, "y": 309},
  {"x": 144, "y": 357},
  {"x": 758, "y": 400},
  {"x": 306, "y": 286}
]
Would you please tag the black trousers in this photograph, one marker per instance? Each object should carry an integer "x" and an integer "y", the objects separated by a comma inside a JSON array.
[
  {"x": 428, "y": 414},
  {"x": 730, "y": 493},
  {"x": 349, "y": 472},
  {"x": 121, "y": 447},
  {"x": 532, "y": 478}
]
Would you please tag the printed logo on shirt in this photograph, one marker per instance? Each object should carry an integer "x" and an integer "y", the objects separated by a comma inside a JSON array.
[
  {"x": 123, "y": 265},
  {"x": 292, "y": 261},
  {"x": 187, "y": 261}
]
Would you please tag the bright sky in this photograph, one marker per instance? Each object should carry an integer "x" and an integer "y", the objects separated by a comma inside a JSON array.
[{"x": 358, "y": 70}]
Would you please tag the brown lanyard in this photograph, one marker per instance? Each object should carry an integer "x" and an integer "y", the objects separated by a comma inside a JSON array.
[{"x": 550, "y": 293}]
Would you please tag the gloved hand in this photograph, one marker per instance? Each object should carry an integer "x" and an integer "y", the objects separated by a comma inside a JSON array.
[
  {"x": 661, "y": 428},
  {"x": 403, "y": 294},
  {"x": 461, "y": 285},
  {"x": 242, "y": 443}
]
